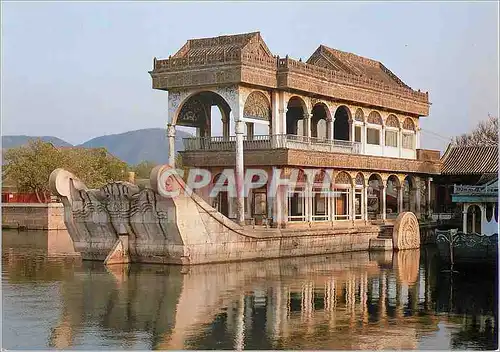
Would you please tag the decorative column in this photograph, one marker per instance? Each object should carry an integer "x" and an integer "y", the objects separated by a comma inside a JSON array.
[
  {"x": 275, "y": 114},
  {"x": 353, "y": 199},
  {"x": 383, "y": 188},
  {"x": 429, "y": 209},
  {"x": 400, "y": 142},
  {"x": 365, "y": 200},
  {"x": 364, "y": 138},
  {"x": 351, "y": 129},
  {"x": 307, "y": 125},
  {"x": 417, "y": 138},
  {"x": 382, "y": 139},
  {"x": 400, "y": 199},
  {"x": 330, "y": 128},
  {"x": 171, "y": 144},
  {"x": 473, "y": 229},
  {"x": 417, "y": 197},
  {"x": 225, "y": 125},
  {"x": 240, "y": 205},
  {"x": 309, "y": 200},
  {"x": 464, "y": 218}
]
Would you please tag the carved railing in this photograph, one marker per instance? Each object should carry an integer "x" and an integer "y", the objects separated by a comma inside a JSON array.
[
  {"x": 280, "y": 141},
  {"x": 292, "y": 65},
  {"x": 285, "y": 65},
  {"x": 478, "y": 190}
]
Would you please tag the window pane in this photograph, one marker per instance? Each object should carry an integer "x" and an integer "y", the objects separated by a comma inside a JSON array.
[
  {"x": 408, "y": 141},
  {"x": 373, "y": 136},
  {"x": 391, "y": 138},
  {"x": 357, "y": 134}
]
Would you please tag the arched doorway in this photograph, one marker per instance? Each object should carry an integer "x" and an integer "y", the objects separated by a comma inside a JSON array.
[
  {"x": 392, "y": 196},
  {"x": 374, "y": 201},
  {"x": 220, "y": 202},
  {"x": 474, "y": 219},
  {"x": 196, "y": 112},
  {"x": 359, "y": 196},
  {"x": 295, "y": 122},
  {"x": 321, "y": 196},
  {"x": 319, "y": 121},
  {"x": 342, "y": 189},
  {"x": 341, "y": 124}
]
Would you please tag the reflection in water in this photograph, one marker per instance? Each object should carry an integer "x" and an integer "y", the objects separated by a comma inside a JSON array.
[{"x": 345, "y": 301}]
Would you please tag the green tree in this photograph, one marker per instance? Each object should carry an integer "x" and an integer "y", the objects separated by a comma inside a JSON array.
[{"x": 29, "y": 166}]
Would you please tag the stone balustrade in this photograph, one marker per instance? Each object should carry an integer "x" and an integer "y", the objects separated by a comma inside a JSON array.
[
  {"x": 284, "y": 65},
  {"x": 279, "y": 141}
]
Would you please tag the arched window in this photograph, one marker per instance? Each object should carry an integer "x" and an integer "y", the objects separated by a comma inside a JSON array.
[
  {"x": 391, "y": 132},
  {"x": 296, "y": 109},
  {"x": 341, "y": 124},
  {"x": 318, "y": 121},
  {"x": 408, "y": 137}
]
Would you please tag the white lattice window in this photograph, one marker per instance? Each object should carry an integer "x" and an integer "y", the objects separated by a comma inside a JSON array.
[
  {"x": 408, "y": 141},
  {"x": 391, "y": 138},
  {"x": 373, "y": 136},
  {"x": 357, "y": 133}
]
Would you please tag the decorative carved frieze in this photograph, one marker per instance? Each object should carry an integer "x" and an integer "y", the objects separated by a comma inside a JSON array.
[
  {"x": 392, "y": 121},
  {"x": 408, "y": 124},
  {"x": 343, "y": 178},
  {"x": 359, "y": 115},
  {"x": 374, "y": 118},
  {"x": 257, "y": 106}
]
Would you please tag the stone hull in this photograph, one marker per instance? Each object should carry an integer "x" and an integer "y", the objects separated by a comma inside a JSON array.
[{"x": 184, "y": 229}]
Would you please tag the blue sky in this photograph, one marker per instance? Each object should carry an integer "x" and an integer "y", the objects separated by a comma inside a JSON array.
[{"x": 80, "y": 70}]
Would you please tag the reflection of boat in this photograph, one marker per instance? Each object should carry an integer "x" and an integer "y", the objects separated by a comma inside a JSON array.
[{"x": 466, "y": 247}]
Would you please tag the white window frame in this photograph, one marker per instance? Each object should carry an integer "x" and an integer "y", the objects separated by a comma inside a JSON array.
[
  {"x": 410, "y": 133},
  {"x": 301, "y": 191},
  {"x": 360, "y": 125},
  {"x": 374, "y": 127},
  {"x": 358, "y": 191},
  {"x": 327, "y": 196},
  {"x": 395, "y": 130},
  {"x": 342, "y": 189}
]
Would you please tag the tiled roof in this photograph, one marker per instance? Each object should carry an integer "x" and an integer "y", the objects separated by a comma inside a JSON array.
[
  {"x": 470, "y": 160},
  {"x": 218, "y": 45},
  {"x": 324, "y": 56},
  {"x": 354, "y": 64}
]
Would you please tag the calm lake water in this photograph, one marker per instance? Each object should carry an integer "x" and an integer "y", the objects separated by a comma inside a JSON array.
[{"x": 337, "y": 302}]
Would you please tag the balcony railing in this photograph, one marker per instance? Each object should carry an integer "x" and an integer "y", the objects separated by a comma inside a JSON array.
[
  {"x": 279, "y": 141},
  {"x": 479, "y": 190}
]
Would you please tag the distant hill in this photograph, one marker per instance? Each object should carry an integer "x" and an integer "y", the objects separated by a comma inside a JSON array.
[
  {"x": 136, "y": 146},
  {"x": 131, "y": 147},
  {"x": 16, "y": 141}
]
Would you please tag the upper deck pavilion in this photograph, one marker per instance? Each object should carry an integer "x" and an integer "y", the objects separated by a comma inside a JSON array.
[{"x": 245, "y": 59}]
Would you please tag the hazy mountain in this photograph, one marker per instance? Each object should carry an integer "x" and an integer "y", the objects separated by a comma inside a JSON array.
[
  {"x": 136, "y": 146},
  {"x": 131, "y": 147},
  {"x": 16, "y": 141}
]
